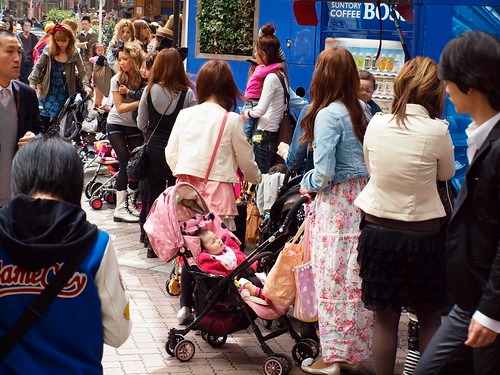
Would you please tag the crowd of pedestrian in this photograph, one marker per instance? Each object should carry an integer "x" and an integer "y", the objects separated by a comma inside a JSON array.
[{"x": 378, "y": 233}]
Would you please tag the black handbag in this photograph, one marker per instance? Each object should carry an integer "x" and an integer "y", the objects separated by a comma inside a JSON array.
[{"x": 137, "y": 164}]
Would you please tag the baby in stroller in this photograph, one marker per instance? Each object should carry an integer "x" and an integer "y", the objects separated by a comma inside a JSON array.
[
  {"x": 173, "y": 226},
  {"x": 220, "y": 256}
]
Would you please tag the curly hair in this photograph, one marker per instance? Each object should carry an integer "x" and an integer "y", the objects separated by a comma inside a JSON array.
[
  {"x": 118, "y": 30},
  {"x": 132, "y": 79}
]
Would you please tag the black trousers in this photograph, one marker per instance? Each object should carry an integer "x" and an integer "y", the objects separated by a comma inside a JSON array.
[{"x": 447, "y": 353}]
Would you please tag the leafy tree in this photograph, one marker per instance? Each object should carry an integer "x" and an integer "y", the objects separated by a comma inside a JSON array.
[
  {"x": 57, "y": 15},
  {"x": 226, "y": 27}
]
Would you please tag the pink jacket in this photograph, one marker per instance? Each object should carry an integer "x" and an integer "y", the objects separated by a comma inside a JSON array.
[{"x": 256, "y": 81}]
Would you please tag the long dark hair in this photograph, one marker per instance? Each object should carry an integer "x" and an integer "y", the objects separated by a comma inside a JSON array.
[{"x": 335, "y": 78}]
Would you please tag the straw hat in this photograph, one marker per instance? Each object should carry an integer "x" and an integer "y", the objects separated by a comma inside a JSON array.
[
  {"x": 164, "y": 32},
  {"x": 49, "y": 26}
]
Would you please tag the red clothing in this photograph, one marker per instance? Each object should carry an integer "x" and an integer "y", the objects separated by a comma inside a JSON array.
[{"x": 210, "y": 265}]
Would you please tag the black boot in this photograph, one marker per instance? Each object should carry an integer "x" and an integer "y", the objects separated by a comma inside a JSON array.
[
  {"x": 143, "y": 234},
  {"x": 151, "y": 253}
]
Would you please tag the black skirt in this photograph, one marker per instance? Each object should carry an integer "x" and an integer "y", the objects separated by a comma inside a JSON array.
[{"x": 402, "y": 269}]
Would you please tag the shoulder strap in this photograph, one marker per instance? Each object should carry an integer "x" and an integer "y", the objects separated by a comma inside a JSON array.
[
  {"x": 40, "y": 305},
  {"x": 287, "y": 94},
  {"x": 161, "y": 118},
  {"x": 212, "y": 159}
]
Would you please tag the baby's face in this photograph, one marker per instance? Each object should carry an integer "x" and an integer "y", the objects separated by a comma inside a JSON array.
[
  {"x": 212, "y": 244},
  {"x": 99, "y": 51}
]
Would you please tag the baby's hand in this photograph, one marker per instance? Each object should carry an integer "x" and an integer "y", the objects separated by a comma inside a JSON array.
[{"x": 27, "y": 137}]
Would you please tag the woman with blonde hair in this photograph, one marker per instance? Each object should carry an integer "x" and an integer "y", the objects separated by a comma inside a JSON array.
[
  {"x": 402, "y": 245},
  {"x": 168, "y": 91},
  {"x": 124, "y": 32},
  {"x": 142, "y": 33},
  {"x": 122, "y": 129},
  {"x": 55, "y": 76},
  {"x": 334, "y": 127}
]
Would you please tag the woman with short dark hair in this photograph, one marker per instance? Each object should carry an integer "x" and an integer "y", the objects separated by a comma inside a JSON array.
[{"x": 42, "y": 229}]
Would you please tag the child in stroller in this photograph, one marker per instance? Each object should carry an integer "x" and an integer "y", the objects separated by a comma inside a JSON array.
[
  {"x": 172, "y": 225},
  {"x": 99, "y": 191},
  {"x": 221, "y": 256}
]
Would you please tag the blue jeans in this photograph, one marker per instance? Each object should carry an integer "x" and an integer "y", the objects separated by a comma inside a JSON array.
[
  {"x": 447, "y": 353},
  {"x": 251, "y": 123},
  {"x": 265, "y": 145}
]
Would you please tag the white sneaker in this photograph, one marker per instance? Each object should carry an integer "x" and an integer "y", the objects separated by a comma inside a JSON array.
[{"x": 184, "y": 316}]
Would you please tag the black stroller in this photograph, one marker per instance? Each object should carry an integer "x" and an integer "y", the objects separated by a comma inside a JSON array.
[
  {"x": 220, "y": 309},
  {"x": 68, "y": 122},
  {"x": 288, "y": 195}
]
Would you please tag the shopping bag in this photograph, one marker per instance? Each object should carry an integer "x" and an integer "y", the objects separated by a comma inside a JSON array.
[
  {"x": 306, "y": 304},
  {"x": 280, "y": 282}
]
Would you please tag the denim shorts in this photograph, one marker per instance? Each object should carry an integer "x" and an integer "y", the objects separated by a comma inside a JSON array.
[{"x": 126, "y": 131}]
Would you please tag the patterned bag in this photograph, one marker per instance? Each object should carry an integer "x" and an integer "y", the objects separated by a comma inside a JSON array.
[
  {"x": 306, "y": 304},
  {"x": 102, "y": 78},
  {"x": 280, "y": 282}
]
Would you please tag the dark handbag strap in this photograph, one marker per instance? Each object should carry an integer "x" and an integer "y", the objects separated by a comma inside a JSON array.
[
  {"x": 161, "y": 118},
  {"x": 214, "y": 152},
  {"x": 40, "y": 305},
  {"x": 287, "y": 94}
]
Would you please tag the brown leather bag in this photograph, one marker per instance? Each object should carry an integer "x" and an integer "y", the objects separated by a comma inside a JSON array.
[{"x": 252, "y": 234}]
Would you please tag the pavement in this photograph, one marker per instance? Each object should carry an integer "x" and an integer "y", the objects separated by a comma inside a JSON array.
[{"x": 153, "y": 313}]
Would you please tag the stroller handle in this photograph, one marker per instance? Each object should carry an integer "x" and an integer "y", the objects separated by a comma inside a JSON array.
[{"x": 306, "y": 198}]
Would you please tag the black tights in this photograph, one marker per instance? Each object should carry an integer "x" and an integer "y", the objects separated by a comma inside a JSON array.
[
  {"x": 122, "y": 147},
  {"x": 385, "y": 336}
]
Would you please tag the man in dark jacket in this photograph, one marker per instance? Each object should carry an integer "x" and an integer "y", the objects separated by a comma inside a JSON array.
[
  {"x": 468, "y": 342},
  {"x": 19, "y": 112}
]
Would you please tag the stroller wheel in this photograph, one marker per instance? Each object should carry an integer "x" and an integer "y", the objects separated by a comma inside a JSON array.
[
  {"x": 171, "y": 344},
  {"x": 216, "y": 341},
  {"x": 91, "y": 188},
  {"x": 110, "y": 198},
  {"x": 173, "y": 286},
  {"x": 305, "y": 349},
  {"x": 87, "y": 190},
  {"x": 287, "y": 361},
  {"x": 96, "y": 203},
  {"x": 275, "y": 365},
  {"x": 184, "y": 350}
]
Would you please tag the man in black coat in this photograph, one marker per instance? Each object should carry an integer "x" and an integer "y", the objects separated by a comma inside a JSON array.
[
  {"x": 19, "y": 113},
  {"x": 468, "y": 341}
]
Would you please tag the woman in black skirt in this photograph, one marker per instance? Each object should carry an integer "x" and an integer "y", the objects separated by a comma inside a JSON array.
[{"x": 401, "y": 249}]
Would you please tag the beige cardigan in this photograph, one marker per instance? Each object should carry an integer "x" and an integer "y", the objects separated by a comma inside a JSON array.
[
  {"x": 193, "y": 138},
  {"x": 404, "y": 165}
]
